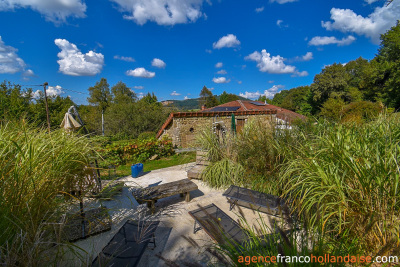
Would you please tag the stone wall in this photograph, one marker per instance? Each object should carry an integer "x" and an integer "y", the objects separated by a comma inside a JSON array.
[{"x": 183, "y": 130}]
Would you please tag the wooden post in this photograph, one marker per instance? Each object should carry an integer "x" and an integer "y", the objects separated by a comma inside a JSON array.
[{"x": 47, "y": 106}]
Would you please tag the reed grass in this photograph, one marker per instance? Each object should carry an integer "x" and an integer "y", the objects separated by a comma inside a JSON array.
[
  {"x": 342, "y": 179},
  {"x": 348, "y": 177},
  {"x": 36, "y": 169}
]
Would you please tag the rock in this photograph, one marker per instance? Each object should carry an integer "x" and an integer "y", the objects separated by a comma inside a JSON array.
[{"x": 154, "y": 157}]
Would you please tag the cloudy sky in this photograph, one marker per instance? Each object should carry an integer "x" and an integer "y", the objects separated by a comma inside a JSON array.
[{"x": 175, "y": 47}]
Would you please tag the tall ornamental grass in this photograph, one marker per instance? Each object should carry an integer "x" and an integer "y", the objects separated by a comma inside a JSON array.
[
  {"x": 36, "y": 169},
  {"x": 347, "y": 177},
  {"x": 248, "y": 157}
]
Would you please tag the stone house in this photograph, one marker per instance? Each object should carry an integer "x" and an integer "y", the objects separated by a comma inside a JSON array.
[{"x": 182, "y": 127}]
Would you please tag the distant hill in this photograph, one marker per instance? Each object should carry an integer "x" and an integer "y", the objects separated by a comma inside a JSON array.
[{"x": 188, "y": 104}]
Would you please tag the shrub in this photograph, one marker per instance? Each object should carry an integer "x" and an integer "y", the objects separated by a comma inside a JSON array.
[
  {"x": 123, "y": 152},
  {"x": 362, "y": 111},
  {"x": 146, "y": 135}
]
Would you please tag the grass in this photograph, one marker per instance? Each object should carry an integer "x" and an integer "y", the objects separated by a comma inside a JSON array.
[
  {"x": 36, "y": 169},
  {"x": 150, "y": 165}
]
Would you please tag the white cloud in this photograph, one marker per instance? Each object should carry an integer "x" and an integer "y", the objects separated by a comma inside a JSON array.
[
  {"x": 28, "y": 74},
  {"x": 327, "y": 40},
  {"x": 127, "y": 59},
  {"x": 174, "y": 93},
  {"x": 280, "y": 24},
  {"x": 239, "y": 82},
  {"x": 219, "y": 65},
  {"x": 10, "y": 62},
  {"x": 54, "y": 90},
  {"x": 282, "y": 1},
  {"x": 372, "y": 26},
  {"x": 209, "y": 51},
  {"x": 140, "y": 72},
  {"x": 270, "y": 64},
  {"x": 269, "y": 93},
  {"x": 158, "y": 63},
  {"x": 53, "y": 10},
  {"x": 259, "y": 9},
  {"x": 186, "y": 97},
  {"x": 220, "y": 80},
  {"x": 73, "y": 62},
  {"x": 222, "y": 72},
  {"x": 300, "y": 74},
  {"x": 140, "y": 95},
  {"x": 229, "y": 40},
  {"x": 139, "y": 87},
  {"x": 371, "y": 1},
  {"x": 250, "y": 95},
  {"x": 308, "y": 56},
  {"x": 163, "y": 12},
  {"x": 50, "y": 91}
]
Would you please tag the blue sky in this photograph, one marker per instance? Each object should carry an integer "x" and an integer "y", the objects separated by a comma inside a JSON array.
[{"x": 175, "y": 47}]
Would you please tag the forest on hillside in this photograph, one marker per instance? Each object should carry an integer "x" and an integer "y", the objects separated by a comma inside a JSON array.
[{"x": 351, "y": 91}]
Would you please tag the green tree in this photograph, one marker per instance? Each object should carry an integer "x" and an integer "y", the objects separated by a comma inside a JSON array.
[
  {"x": 279, "y": 97},
  {"x": 390, "y": 45},
  {"x": 129, "y": 120},
  {"x": 207, "y": 98},
  {"x": 332, "y": 82},
  {"x": 388, "y": 60},
  {"x": 332, "y": 108},
  {"x": 296, "y": 99},
  {"x": 149, "y": 99},
  {"x": 101, "y": 97},
  {"x": 225, "y": 97},
  {"x": 14, "y": 102},
  {"x": 263, "y": 98},
  {"x": 123, "y": 94}
]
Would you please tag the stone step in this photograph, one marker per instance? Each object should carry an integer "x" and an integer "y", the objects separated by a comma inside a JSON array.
[
  {"x": 195, "y": 172},
  {"x": 201, "y": 158}
]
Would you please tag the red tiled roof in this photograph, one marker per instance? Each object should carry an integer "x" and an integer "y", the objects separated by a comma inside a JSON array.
[
  {"x": 282, "y": 113},
  {"x": 245, "y": 108}
]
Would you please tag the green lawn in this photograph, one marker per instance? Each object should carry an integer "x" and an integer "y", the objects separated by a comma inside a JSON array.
[{"x": 177, "y": 159}]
